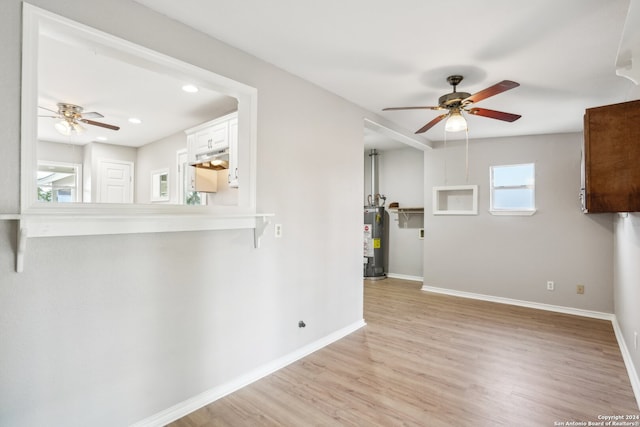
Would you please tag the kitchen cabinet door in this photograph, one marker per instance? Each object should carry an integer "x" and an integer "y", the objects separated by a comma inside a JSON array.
[
  {"x": 611, "y": 158},
  {"x": 212, "y": 138}
]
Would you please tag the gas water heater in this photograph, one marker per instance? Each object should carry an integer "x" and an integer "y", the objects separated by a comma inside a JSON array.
[{"x": 374, "y": 244}]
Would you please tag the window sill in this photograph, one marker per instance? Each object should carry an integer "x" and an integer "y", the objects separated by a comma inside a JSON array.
[
  {"x": 93, "y": 224},
  {"x": 527, "y": 212}
]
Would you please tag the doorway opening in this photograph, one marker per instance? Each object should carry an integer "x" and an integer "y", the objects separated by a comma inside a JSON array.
[{"x": 393, "y": 200}]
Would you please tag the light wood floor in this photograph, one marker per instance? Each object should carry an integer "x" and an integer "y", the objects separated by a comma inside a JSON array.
[{"x": 434, "y": 360}]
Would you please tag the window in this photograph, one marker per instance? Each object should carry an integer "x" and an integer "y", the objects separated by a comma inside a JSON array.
[
  {"x": 59, "y": 182},
  {"x": 160, "y": 185},
  {"x": 513, "y": 189}
]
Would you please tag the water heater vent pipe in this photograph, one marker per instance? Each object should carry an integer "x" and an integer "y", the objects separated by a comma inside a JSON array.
[{"x": 375, "y": 196}]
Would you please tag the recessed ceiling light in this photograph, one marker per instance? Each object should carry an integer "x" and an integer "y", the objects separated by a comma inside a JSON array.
[
  {"x": 135, "y": 120},
  {"x": 190, "y": 88},
  {"x": 101, "y": 138}
]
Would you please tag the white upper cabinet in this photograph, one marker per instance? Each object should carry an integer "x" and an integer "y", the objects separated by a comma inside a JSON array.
[{"x": 211, "y": 136}]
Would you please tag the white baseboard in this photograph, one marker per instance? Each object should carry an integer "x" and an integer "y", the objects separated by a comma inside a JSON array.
[
  {"x": 626, "y": 356},
  {"x": 404, "y": 277},
  {"x": 522, "y": 303},
  {"x": 188, "y": 406},
  {"x": 628, "y": 361}
]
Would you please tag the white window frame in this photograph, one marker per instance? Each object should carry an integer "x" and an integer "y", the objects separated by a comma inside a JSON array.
[
  {"x": 78, "y": 175},
  {"x": 155, "y": 182},
  {"x": 508, "y": 211}
]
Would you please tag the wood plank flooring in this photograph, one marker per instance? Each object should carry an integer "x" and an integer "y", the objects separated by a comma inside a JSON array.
[{"x": 434, "y": 360}]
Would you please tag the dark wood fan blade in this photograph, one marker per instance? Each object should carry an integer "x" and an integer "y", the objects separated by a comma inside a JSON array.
[
  {"x": 491, "y": 91},
  {"x": 103, "y": 125},
  {"x": 431, "y": 124},
  {"x": 92, "y": 115},
  {"x": 492, "y": 114},
  {"x": 411, "y": 108}
]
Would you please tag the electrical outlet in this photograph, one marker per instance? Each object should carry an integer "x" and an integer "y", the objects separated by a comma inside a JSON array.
[
  {"x": 278, "y": 230},
  {"x": 580, "y": 289},
  {"x": 550, "y": 285}
]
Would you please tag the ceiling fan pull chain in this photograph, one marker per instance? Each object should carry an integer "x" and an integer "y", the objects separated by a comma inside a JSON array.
[
  {"x": 445, "y": 157},
  {"x": 466, "y": 160}
]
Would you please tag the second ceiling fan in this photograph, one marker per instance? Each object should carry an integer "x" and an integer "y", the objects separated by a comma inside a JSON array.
[
  {"x": 458, "y": 102},
  {"x": 69, "y": 116}
]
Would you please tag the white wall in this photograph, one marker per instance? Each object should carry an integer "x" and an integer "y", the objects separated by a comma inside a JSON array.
[
  {"x": 109, "y": 330},
  {"x": 400, "y": 179},
  {"x": 627, "y": 279},
  {"x": 514, "y": 257},
  {"x": 60, "y": 152},
  {"x": 626, "y": 273}
]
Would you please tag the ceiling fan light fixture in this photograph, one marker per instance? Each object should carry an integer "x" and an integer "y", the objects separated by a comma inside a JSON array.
[
  {"x": 67, "y": 127},
  {"x": 79, "y": 129},
  {"x": 63, "y": 127},
  {"x": 455, "y": 122}
]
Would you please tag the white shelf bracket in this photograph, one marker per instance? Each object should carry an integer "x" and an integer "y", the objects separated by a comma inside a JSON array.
[
  {"x": 20, "y": 249},
  {"x": 261, "y": 226}
]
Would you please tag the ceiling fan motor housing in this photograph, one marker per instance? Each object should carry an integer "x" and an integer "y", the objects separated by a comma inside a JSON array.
[
  {"x": 69, "y": 111},
  {"x": 453, "y": 99}
]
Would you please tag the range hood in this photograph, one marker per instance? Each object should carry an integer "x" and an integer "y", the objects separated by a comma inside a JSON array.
[{"x": 216, "y": 160}]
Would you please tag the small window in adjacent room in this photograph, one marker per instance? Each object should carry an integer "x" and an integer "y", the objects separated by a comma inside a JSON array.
[{"x": 513, "y": 189}]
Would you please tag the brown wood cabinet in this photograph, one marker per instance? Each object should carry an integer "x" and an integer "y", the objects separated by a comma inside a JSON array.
[{"x": 611, "y": 158}]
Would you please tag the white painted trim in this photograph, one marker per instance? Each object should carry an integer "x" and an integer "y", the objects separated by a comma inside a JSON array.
[
  {"x": 540, "y": 306},
  {"x": 405, "y": 277},
  {"x": 628, "y": 50},
  {"x": 628, "y": 361},
  {"x": 93, "y": 225},
  {"x": 188, "y": 406},
  {"x": 513, "y": 212},
  {"x": 414, "y": 141}
]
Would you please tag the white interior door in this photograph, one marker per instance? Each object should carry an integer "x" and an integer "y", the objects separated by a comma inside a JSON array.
[{"x": 115, "y": 182}]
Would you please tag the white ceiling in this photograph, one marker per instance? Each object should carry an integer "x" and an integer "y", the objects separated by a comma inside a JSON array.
[
  {"x": 74, "y": 72},
  {"x": 378, "y": 53}
]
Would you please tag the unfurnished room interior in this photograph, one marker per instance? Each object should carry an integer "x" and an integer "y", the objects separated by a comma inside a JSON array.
[{"x": 298, "y": 213}]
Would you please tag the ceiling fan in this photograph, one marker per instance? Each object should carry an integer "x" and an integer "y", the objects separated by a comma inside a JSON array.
[
  {"x": 458, "y": 102},
  {"x": 69, "y": 115}
]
